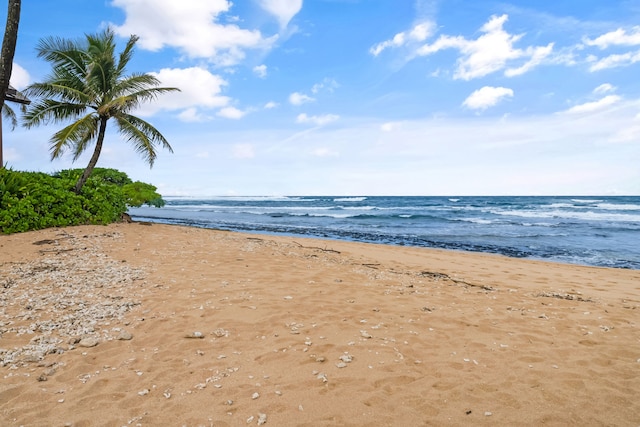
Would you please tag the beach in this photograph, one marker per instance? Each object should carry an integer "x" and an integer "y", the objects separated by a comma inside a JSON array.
[{"x": 147, "y": 324}]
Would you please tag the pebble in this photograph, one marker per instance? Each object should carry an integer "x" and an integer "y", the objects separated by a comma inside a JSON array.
[
  {"x": 255, "y": 395},
  {"x": 125, "y": 335},
  {"x": 88, "y": 342},
  {"x": 262, "y": 419},
  {"x": 196, "y": 334}
]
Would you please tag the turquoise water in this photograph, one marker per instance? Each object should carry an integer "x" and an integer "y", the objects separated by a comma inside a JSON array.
[{"x": 599, "y": 231}]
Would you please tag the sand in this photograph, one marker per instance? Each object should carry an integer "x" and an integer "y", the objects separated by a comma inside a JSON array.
[{"x": 156, "y": 325}]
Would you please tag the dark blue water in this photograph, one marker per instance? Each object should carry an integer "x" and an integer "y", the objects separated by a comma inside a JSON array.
[{"x": 599, "y": 231}]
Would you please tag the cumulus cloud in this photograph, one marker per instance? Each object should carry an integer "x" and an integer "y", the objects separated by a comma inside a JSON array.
[
  {"x": 198, "y": 87},
  {"x": 231, "y": 113},
  {"x": 618, "y": 37},
  {"x": 317, "y": 120},
  {"x": 327, "y": 84},
  {"x": 492, "y": 51},
  {"x": 260, "y": 71},
  {"x": 590, "y": 107},
  {"x": 297, "y": 98},
  {"x": 270, "y": 105},
  {"x": 192, "y": 26},
  {"x": 192, "y": 115},
  {"x": 283, "y": 10},
  {"x": 418, "y": 33},
  {"x": 20, "y": 77},
  {"x": 486, "y": 97}
]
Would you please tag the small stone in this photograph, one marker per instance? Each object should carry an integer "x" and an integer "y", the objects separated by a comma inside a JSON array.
[
  {"x": 487, "y": 414},
  {"x": 341, "y": 365},
  {"x": 255, "y": 395},
  {"x": 347, "y": 358},
  {"x": 88, "y": 342},
  {"x": 196, "y": 334},
  {"x": 365, "y": 334},
  {"x": 143, "y": 392},
  {"x": 125, "y": 335},
  {"x": 262, "y": 419}
]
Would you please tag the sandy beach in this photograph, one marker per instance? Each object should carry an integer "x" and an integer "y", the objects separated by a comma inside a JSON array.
[{"x": 155, "y": 325}]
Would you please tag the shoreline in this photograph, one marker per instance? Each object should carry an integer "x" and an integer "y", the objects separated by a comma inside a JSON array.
[
  {"x": 183, "y": 325},
  {"x": 390, "y": 244}
]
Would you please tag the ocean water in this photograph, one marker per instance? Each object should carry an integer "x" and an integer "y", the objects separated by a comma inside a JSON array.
[{"x": 597, "y": 231}]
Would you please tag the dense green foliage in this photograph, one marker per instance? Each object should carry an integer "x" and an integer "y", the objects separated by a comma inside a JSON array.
[{"x": 35, "y": 200}]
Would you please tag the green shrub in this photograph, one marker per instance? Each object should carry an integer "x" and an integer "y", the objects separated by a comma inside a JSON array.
[{"x": 35, "y": 200}]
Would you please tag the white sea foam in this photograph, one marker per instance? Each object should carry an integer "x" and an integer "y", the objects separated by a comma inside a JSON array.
[
  {"x": 349, "y": 199},
  {"x": 618, "y": 207},
  {"x": 588, "y": 215},
  {"x": 585, "y": 200}
]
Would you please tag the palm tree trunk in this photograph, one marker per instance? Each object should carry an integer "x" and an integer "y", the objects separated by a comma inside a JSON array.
[
  {"x": 8, "y": 50},
  {"x": 94, "y": 158}
]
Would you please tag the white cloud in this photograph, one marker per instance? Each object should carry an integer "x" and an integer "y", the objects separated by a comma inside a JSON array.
[
  {"x": 283, "y": 10},
  {"x": 327, "y": 84},
  {"x": 590, "y": 107},
  {"x": 243, "y": 151},
  {"x": 537, "y": 54},
  {"x": 486, "y": 97},
  {"x": 297, "y": 98},
  {"x": 198, "y": 89},
  {"x": 604, "y": 88},
  {"x": 618, "y": 37},
  {"x": 192, "y": 115},
  {"x": 231, "y": 113},
  {"x": 270, "y": 105},
  {"x": 317, "y": 120},
  {"x": 613, "y": 61},
  {"x": 493, "y": 51},
  {"x": 260, "y": 70},
  {"x": 418, "y": 33},
  {"x": 20, "y": 77},
  {"x": 191, "y": 26}
]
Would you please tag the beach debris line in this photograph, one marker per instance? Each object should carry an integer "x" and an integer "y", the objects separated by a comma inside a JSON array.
[
  {"x": 560, "y": 295},
  {"x": 317, "y": 248},
  {"x": 442, "y": 276}
]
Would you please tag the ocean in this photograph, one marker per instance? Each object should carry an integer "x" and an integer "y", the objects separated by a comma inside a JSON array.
[{"x": 596, "y": 231}]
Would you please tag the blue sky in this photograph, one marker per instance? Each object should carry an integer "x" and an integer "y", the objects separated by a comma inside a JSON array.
[{"x": 366, "y": 97}]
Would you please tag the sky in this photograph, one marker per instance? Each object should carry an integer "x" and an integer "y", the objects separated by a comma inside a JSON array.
[{"x": 364, "y": 97}]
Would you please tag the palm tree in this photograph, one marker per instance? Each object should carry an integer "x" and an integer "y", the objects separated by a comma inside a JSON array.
[{"x": 88, "y": 85}]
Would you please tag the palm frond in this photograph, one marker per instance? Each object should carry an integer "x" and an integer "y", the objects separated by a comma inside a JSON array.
[
  {"x": 125, "y": 55},
  {"x": 9, "y": 114},
  {"x": 143, "y": 136},
  {"x": 49, "y": 110},
  {"x": 76, "y": 135}
]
